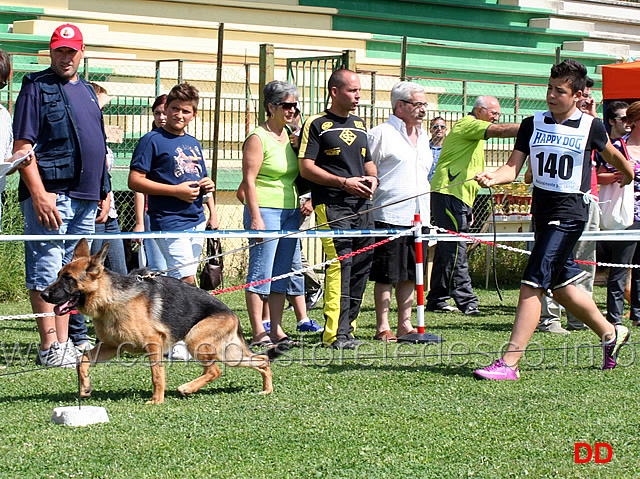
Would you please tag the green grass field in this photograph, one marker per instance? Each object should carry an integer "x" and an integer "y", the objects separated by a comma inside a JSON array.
[{"x": 382, "y": 411}]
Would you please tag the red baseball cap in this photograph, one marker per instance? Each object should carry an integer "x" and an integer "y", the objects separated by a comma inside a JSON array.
[{"x": 67, "y": 35}]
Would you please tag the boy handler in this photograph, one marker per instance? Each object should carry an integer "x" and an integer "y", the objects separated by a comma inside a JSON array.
[{"x": 559, "y": 144}]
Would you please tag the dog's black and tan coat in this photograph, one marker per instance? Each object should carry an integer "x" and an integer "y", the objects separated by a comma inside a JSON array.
[{"x": 147, "y": 316}]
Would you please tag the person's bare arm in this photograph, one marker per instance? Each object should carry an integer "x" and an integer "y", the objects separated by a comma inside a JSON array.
[
  {"x": 606, "y": 177},
  {"x": 103, "y": 209},
  {"x": 307, "y": 208},
  {"x": 371, "y": 175},
  {"x": 187, "y": 191},
  {"x": 252, "y": 158},
  {"x": 505, "y": 174},
  {"x": 44, "y": 203},
  {"x": 212, "y": 222},
  {"x": 502, "y": 130},
  {"x": 528, "y": 175},
  {"x": 361, "y": 186},
  {"x": 616, "y": 159}
]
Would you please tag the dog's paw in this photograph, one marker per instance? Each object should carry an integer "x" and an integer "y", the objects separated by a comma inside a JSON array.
[
  {"x": 184, "y": 390},
  {"x": 85, "y": 393},
  {"x": 155, "y": 401}
]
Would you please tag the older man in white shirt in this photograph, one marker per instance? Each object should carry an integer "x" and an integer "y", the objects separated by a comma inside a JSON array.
[{"x": 400, "y": 150}]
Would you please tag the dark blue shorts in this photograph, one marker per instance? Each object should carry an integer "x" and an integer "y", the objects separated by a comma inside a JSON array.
[{"x": 551, "y": 265}]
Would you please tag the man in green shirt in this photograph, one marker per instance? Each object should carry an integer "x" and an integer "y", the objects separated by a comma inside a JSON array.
[{"x": 452, "y": 206}]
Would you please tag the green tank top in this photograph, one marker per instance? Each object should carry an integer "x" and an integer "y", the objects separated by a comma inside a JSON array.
[{"x": 275, "y": 183}]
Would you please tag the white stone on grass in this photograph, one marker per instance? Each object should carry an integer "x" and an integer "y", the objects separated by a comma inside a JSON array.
[{"x": 79, "y": 416}]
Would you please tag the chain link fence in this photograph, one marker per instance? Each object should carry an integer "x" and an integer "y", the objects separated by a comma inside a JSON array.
[{"x": 134, "y": 84}]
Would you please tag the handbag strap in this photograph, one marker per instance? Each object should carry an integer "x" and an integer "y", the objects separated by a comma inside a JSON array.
[
  {"x": 214, "y": 247},
  {"x": 624, "y": 147}
]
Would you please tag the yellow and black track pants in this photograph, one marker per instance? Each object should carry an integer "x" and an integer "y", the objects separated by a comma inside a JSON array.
[{"x": 346, "y": 280}]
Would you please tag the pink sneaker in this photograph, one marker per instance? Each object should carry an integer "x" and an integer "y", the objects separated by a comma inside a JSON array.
[{"x": 498, "y": 370}]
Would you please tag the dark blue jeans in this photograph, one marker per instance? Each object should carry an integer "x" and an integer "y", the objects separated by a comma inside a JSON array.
[
  {"x": 115, "y": 257},
  {"x": 77, "y": 329}
]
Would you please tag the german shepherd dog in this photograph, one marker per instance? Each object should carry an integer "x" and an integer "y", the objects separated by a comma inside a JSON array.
[{"x": 146, "y": 315}]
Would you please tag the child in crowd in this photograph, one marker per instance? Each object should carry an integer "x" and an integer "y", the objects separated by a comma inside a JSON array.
[
  {"x": 558, "y": 143},
  {"x": 168, "y": 166}
]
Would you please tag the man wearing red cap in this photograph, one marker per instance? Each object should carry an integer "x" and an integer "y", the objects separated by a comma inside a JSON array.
[{"x": 58, "y": 116}]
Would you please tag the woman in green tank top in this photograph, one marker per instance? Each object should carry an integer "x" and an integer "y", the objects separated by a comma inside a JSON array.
[{"x": 269, "y": 170}]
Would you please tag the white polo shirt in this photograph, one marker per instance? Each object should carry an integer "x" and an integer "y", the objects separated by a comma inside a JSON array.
[{"x": 403, "y": 171}]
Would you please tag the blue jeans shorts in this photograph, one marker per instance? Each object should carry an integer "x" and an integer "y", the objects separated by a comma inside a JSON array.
[
  {"x": 551, "y": 265},
  {"x": 44, "y": 259},
  {"x": 275, "y": 257},
  {"x": 182, "y": 254}
]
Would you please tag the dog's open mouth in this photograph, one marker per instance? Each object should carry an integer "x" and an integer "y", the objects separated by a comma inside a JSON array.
[{"x": 66, "y": 307}]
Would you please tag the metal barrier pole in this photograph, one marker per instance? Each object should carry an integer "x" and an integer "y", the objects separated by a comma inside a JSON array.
[{"x": 420, "y": 336}]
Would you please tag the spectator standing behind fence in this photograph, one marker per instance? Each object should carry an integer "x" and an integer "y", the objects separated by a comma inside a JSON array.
[
  {"x": 6, "y": 131},
  {"x": 168, "y": 166},
  {"x": 452, "y": 205},
  {"x": 439, "y": 132},
  {"x": 335, "y": 156},
  {"x": 625, "y": 252},
  {"x": 558, "y": 143},
  {"x": 152, "y": 254},
  {"x": 400, "y": 150},
  {"x": 60, "y": 193},
  {"x": 269, "y": 171},
  {"x": 115, "y": 260}
]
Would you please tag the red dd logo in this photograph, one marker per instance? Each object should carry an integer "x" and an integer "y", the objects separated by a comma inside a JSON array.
[{"x": 582, "y": 447}]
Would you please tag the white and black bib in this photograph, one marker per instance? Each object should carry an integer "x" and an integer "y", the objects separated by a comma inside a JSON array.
[{"x": 557, "y": 154}]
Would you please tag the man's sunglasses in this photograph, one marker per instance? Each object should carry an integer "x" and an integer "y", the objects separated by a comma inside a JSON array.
[
  {"x": 288, "y": 105},
  {"x": 439, "y": 127},
  {"x": 621, "y": 118}
]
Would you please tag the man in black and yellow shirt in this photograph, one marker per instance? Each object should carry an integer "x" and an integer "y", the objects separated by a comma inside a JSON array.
[{"x": 335, "y": 157}]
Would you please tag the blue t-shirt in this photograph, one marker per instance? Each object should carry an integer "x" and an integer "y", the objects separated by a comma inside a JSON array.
[
  {"x": 87, "y": 119},
  {"x": 171, "y": 160}
]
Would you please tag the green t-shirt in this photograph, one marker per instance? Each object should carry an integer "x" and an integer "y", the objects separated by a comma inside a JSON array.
[
  {"x": 461, "y": 158},
  {"x": 275, "y": 183}
]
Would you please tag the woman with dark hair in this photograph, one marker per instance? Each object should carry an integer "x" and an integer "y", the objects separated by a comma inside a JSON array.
[
  {"x": 269, "y": 170},
  {"x": 159, "y": 115}
]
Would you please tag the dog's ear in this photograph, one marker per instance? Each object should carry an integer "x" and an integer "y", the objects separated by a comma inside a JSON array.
[
  {"x": 96, "y": 265},
  {"x": 101, "y": 255},
  {"x": 82, "y": 250}
]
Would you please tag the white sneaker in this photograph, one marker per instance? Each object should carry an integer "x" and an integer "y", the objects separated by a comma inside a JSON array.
[
  {"x": 83, "y": 348},
  {"x": 59, "y": 356},
  {"x": 180, "y": 352}
]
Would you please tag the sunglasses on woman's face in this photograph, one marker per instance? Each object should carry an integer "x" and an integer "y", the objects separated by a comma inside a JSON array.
[{"x": 288, "y": 105}]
